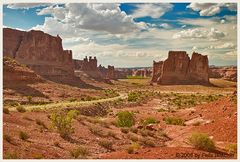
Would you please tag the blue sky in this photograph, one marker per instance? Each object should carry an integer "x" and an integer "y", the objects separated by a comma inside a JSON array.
[{"x": 132, "y": 34}]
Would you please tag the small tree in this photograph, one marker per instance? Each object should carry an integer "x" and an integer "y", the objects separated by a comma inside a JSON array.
[{"x": 63, "y": 123}]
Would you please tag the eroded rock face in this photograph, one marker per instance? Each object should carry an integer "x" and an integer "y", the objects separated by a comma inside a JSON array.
[
  {"x": 226, "y": 73},
  {"x": 111, "y": 72},
  {"x": 157, "y": 70},
  {"x": 178, "y": 68},
  {"x": 198, "y": 68},
  {"x": 41, "y": 52}
]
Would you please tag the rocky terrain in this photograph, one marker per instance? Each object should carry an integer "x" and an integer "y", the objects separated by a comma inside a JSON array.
[{"x": 55, "y": 107}]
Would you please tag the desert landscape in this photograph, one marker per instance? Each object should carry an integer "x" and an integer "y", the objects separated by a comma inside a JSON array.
[{"x": 56, "y": 106}]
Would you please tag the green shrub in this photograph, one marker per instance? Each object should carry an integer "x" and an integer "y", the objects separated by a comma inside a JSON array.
[
  {"x": 63, "y": 123},
  {"x": 202, "y": 141},
  {"x": 125, "y": 119},
  {"x": 23, "y": 135},
  {"x": 81, "y": 152},
  {"x": 21, "y": 109},
  {"x": 6, "y": 111},
  {"x": 133, "y": 96},
  {"x": 149, "y": 120},
  {"x": 106, "y": 144},
  {"x": 73, "y": 113},
  {"x": 7, "y": 138},
  {"x": 174, "y": 121}
]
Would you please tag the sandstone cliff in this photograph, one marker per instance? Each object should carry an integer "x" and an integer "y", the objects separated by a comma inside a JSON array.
[
  {"x": 178, "y": 68},
  {"x": 41, "y": 52},
  {"x": 226, "y": 73}
]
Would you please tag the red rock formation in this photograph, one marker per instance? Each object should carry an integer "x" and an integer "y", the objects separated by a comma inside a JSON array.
[
  {"x": 198, "y": 68},
  {"x": 175, "y": 68},
  {"x": 179, "y": 69},
  {"x": 41, "y": 52},
  {"x": 111, "y": 72},
  {"x": 226, "y": 73},
  {"x": 157, "y": 70}
]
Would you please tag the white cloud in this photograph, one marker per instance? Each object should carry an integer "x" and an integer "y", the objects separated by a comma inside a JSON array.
[
  {"x": 210, "y": 9},
  {"x": 199, "y": 33},
  {"x": 227, "y": 45},
  {"x": 26, "y": 5},
  {"x": 165, "y": 25},
  {"x": 98, "y": 17},
  {"x": 151, "y": 10}
]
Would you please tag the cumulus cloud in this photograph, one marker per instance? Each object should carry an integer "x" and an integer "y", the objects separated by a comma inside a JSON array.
[
  {"x": 210, "y": 9},
  {"x": 151, "y": 10},
  {"x": 199, "y": 33},
  {"x": 98, "y": 17},
  {"x": 26, "y": 5}
]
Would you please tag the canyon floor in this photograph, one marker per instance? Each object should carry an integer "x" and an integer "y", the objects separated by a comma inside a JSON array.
[{"x": 164, "y": 119}]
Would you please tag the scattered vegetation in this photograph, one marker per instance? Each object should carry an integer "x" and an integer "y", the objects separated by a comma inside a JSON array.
[
  {"x": 23, "y": 135},
  {"x": 80, "y": 152},
  {"x": 106, "y": 144},
  {"x": 125, "y": 130},
  {"x": 149, "y": 120},
  {"x": 41, "y": 123},
  {"x": 202, "y": 141},
  {"x": 6, "y": 111},
  {"x": 133, "y": 148},
  {"x": 174, "y": 121},
  {"x": 133, "y": 96},
  {"x": 7, "y": 138},
  {"x": 11, "y": 155},
  {"x": 29, "y": 98},
  {"x": 125, "y": 119},
  {"x": 134, "y": 77},
  {"x": 111, "y": 93},
  {"x": 21, "y": 109},
  {"x": 96, "y": 131},
  {"x": 63, "y": 122},
  {"x": 232, "y": 149}
]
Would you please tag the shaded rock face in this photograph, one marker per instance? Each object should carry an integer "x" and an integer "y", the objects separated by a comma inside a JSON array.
[
  {"x": 157, "y": 70},
  {"x": 41, "y": 52},
  {"x": 178, "y": 68},
  {"x": 226, "y": 73},
  {"x": 111, "y": 72}
]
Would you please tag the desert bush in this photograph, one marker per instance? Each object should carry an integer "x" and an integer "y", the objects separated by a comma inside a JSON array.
[
  {"x": 38, "y": 156},
  {"x": 96, "y": 131},
  {"x": 21, "y": 109},
  {"x": 149, "y": 120},
  {"x": 148, "y": 142},
  {"x": 56, "y": 144},
  {"x": 63, "y": 123},
  {"x": 6, "y": 111},
  {"x": 133, "y": 96},
  {"x": 81, "y": 152},
  {"x": 11, "y": 155},
  {"x": 29, "y": 98},
  {"x": 202, "y": 141},
  {"x": 174, "y": 121},
  {"x": 7, "y": 138},
  {"x": 125, "y": 130},
  {"x": 232, "y": 148},
  {"x": 125, "y": 119},
  {"x": 111, "y": 93},
  {"x": 23, "y": 135},
  {"x": 133, "y": 148},
  {"x": 73, "y": 113},
  {"x": 41, "y": 123},
  {"x": 112, "y": 134},
  {"x": 106, "y": 144},
  {"x": 134, "y": 129}
]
